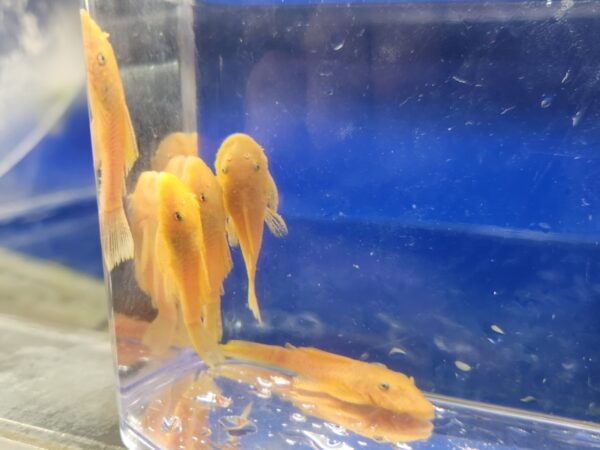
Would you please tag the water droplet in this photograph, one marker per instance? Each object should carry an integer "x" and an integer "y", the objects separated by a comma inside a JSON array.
[
  {"x": 171, "y": 424},
  {"x": 264, "y": 383},
  {"x": 280, "y": 381},
  {"x": 208, "y": 397},
  {"x": 337, "y": 41},
  {"x": 527, "y": 399},
  {"x": 322, "y": 442},
  {"x": 402, "y": 446},
  {"x": 264, "y": 393},
  {"x": 336, "y": 429},
  {"x": 496, "y": 329},
  {"x": 577, "y": 117},
  {"x": 396, "y": 350},
  {"x": 547, "y": 101},
  {"x": 297, "y": 417},
  {"x": 461, "y": 365}
]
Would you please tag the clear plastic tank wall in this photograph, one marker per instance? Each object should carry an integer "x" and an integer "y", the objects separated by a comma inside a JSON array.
[{"x": 437, "y": 170}]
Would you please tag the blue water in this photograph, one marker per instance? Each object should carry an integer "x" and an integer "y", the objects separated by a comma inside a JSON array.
[{"x": 437, "y": 167}]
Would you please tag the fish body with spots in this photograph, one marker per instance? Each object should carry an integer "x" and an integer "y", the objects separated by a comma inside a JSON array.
[{"x": 251, "y": 199}]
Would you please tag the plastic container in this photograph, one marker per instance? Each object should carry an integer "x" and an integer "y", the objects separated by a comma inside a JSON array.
[{"x": 437, "y": 171}]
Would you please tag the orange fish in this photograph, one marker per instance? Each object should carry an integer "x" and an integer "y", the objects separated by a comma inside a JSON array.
[
  {"x": 172, "y": 145},
  {"x": 343, "y": 378},
  {"x": 251, "y": 199},
  {"x": 143, "y": 210},
  {"x": 181, "y": 238},
  {"x": 369, "y": 421},
  {"x": 114, "y": 143},
  {"x": 200, "y": 180}
]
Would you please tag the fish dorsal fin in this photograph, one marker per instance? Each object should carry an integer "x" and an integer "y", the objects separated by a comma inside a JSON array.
[
  {"x": 275, "y": 223},
  {"x": 290, "y": 346},
  {"x": 131, "y": 150}
]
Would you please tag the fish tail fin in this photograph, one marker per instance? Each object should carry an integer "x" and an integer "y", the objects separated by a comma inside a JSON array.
[
  {"x": 117, "y": 241},
  {"x": 206, "y": 347},
  {"x": 253, "y": 301},
  {"x": 275, "y": 223}
]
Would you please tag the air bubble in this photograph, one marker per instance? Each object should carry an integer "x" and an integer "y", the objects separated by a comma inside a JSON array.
[
  {"x": 547, "y": 101},
  {"x": 337, "y": 41},
  {"x": 297, "y": 417}
]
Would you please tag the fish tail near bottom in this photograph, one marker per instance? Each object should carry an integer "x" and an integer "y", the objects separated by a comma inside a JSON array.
[
  {"x": 207, "y": 348},
  {"x": 117, "y": 241},
  {"x": 253, "y": 301}
]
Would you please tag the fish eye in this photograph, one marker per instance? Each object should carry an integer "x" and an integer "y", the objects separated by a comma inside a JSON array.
[
  {"x": 178, "y": 216},
  {"x": 101, "y": 59},
  {"x": 224, "y": 169},
  {"x": 383, "y": 387},
  {"x": 202, "y": 197},
  {"x": 256, "y": 167}
]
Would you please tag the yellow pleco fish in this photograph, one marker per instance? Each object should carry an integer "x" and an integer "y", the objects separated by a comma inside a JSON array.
[
  {"x": 143, "y": 211},
  {"x": 181, "y": 238},
  {"x": 200, "y": 180},
  {"x": 114, "y": 143},
  {"x": 251, "y": 199},
  {"x": 379, "y": 424},
  {"x": 343, "y": 378},
  {"x": 174, "y": 144}
]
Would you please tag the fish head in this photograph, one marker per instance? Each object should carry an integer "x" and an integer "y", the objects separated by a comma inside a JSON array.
[
  {"x": 240, "y": 158},
  {"x": 396, "y": 392},
  {"x": 178, "y": 212},
  {"x": 173, "y": 145},
  {"x": 100, "y": 61},
  {"x": 203, "y": 183}
]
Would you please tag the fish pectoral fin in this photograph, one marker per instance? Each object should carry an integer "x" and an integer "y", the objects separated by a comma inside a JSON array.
[
  {"x": 275, "y": 223},
  {"x": 131, "y": 152},
  {"x": 232, "y": 238}
]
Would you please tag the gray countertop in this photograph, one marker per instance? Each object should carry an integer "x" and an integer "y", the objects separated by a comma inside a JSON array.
[{"x": 56, "y": 368}]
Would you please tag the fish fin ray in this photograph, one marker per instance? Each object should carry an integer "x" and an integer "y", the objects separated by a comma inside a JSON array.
[
  {"x": 232, "y": 238},
  {"x": 117, "y": 241},
  {"x": 275, "y": 223}
]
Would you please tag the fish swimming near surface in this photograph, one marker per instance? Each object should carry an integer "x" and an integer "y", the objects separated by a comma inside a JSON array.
[
  {"x": 343, "y": 378},
  {"x": 114, "y": 144},
  {"x": 201, "y": 181},
  {"x": 181, "y": 238},
  {"x": 174, "y": 144},
  {"x": 251, "y": 199}
]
